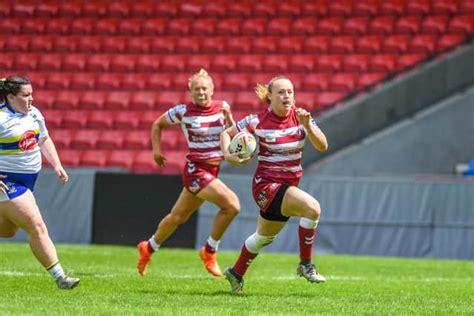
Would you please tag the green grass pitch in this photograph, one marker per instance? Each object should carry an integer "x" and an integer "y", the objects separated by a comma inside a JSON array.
[{"x": 177, "y": 284}]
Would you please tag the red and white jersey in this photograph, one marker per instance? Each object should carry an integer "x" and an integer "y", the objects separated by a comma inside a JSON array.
[
  {"x": 202, "y": 127},
  {"x": 281, "y": 142}
]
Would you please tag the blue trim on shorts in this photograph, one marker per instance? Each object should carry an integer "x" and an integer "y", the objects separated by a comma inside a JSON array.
[{"x": 19, "y": 183}]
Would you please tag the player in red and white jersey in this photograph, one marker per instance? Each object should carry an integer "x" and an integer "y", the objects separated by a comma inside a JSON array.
[
  {"x": 281, "y": 131},
  {"x": 202, "y": 122}
]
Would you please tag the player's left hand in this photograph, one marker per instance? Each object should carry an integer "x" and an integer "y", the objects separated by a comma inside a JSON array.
[
  {"x": 303, "y": 116},
  {"x": 62, "y": 175}
]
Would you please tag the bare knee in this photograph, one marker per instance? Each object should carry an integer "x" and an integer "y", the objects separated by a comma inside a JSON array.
[
  {"x": 312, "y": 210},
  {"x": 38, "y": 229},
  {"x": 179, "y": 219},
  {"x": 232, "y": 205}
]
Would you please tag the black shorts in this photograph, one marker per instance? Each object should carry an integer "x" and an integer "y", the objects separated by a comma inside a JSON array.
[{"x": 273, "y": 212}]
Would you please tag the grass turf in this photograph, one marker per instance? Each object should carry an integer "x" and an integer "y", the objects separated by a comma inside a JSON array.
[{"x": 177, "y": 284}]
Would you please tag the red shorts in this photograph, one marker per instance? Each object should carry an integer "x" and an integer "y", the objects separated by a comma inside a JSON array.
[
  {"x": 264, "y": 190},
  {"x": 197, "y": 175}
]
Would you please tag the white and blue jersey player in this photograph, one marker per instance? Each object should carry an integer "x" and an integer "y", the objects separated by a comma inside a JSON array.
[{"x": 23, "y": 138}]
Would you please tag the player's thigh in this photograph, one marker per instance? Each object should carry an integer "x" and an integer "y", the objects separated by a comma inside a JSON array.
[
  {"x": 7, "y": 227},
  {"x": 297, "y": 202},
  {"x": 220, "y": 194},
  {"x": 186, "y": 204},
  {"x": 269, "y": 228},
  {"x": 22, "y": 211}
]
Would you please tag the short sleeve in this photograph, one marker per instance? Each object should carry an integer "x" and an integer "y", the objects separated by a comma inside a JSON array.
[
  {"x": 175, "y": 114},
  {"x": 39, "y": 118},
  {"x": 248, "y": 124}
]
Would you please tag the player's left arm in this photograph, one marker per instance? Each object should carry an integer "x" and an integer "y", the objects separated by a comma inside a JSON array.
[
  {"x": 227, "y": 114},
  {"x": 315, "y": 135},
  {"x": 51, "y": 154}
]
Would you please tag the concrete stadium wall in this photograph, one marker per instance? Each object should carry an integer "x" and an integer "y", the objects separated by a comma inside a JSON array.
[{"x": 430, "y": 142}]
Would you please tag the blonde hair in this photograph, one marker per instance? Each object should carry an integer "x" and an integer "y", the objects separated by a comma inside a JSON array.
[
  {"x": 263, "y": 90},
  {"x": 202, "y": 73}
]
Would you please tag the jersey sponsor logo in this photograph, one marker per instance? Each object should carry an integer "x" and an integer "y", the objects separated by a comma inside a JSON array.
[
  {"x": 194, "y": 187},
  {"x": 262, "y": 198},
  {"x": 27, "y": 141}
]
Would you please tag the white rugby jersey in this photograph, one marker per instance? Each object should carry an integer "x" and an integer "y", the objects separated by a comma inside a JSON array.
[
  {"x": 202, "y": 127},
  {"x": 19, "y": 136},
  {"x": 281, "y": 142}
]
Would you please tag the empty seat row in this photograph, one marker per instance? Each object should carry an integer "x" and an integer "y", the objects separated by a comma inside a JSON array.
[
  {"x": 137, "y": 161},
  {"x": 360, "y": 25},
  {"x": 185, "y": 64},
  {"x": 217, "y": 44},
  {"x": 124, "y": 9}
]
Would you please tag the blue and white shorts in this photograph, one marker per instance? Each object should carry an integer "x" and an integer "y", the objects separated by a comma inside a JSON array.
[{"x": 17, "y": 183}]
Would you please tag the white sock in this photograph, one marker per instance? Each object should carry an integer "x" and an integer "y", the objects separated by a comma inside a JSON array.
[
  {"x": 56, "y": 270},
  {"x": 308, "y": 224},
  {"x": 213, "y": 243},
  {"x": 153, "y": 243}
]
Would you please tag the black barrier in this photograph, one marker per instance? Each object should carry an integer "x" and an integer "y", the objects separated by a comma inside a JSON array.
[{"x": 128, "y": 208}]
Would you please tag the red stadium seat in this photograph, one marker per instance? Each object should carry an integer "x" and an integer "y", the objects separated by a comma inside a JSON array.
[
  {"x": 435, "y": 24},
  {"x": 58, "y": 26},
  {"x": 366, "y": 79},
  {"x": 392, "y": 7},
  {"x": 204, "y": 26},
  {"x": 70, "y": 157},
  {"x": 173, "y": 63},
  {"x": 423, "y": 44},
  {"x": 108, "y": 81},
  {"x": 304, "y": 25},
  {"x": 343, "y": 81},
  {"x": 366, "y": 7},
  {"x": 254, "y": 26},
  {"x": 227, "y": 96},
  {"x": 396, "y": 44},
  {"x": 356, "y": 63},
  {"x": 279, "y": 26},
  {"x": 277, "y": 63},
  {"x": 125, "y": 63},
  {"x": 158, "y": 81},
  {"x": 94, "y": 8},
  {"x": 466, "y": 7},
  {"x": 144, "y": 163},
  {"x": 446, "y": 41},
  {"x": 214, "y": 45},
  {"x": 62, "y": 137},
  {"x": 369, "y": 44},
  {"x": 106, "y": 26},
  {"x": 382, "y": 25},
  {"x": 58, "y": 81},
  {"x": 112, "y": 44},
  {"x": 421, "y": 7},
  {"x": 121, "y": 159},
  {"x": 251, "y": 63},
  {"x": 383, "y": 63},
  {"x": 93, "y": 100},
  {"x": 70, "y": 8},
  {"x": 110, "y": 139},
  {"x": 134, "y": 81},
  {"x": 179, "y": 26},
  {"x": 47, "y": 9},
  {"x": 167, "y": 99},
  {"x": 188, "y": 45},
  {"x": 330, "y": 25},
  {"x": 127, "y": 119},
  {"x": 190, "y": 9},
  {"x": 75, "y": 119},
  {"x": 148, "y": 63},
  {"x": 44, "y": 44},
  {"x": 326, "y": 99},
  {"x": 409, "y": 60},
  {"x": 100, "y": 120},
  {"x": 316, "y": 44},
  {"x": 138, "y": 140},
  {"x": 23, "y": 9},
  {"x": 224, "y": 63},
  {"x": 444, "y": 6},
  {"x": 6, "y": 60},
  {"x": 5, "y": 9},
  {"x": 143, "y": 9},
  {"x": 266, "y": 45},
  {"x": 342, "y": 44},
  {"x": 139, "y": 44},
  {"x": 130, "y": 27},
  {"x": 228, "y": 27},
  {"x": 303, "y": 63},
  {"x": 11, "y": 25},
  {"x": 247, "y": 101},
  {"x": 146, "y": 119},
  {"x": 340, "y": 7},
  {"x": 462, "y": 23},
  {"x": 314, "y": 8},
  {"x": 264, "y": 8},
  {"x": 94, "y": 158},
  {"x": 19, "y": 43},
  {"x": 156, "y": 26},
  {"x": 34, "y": 26},
  {"x": 53, "y": 118},
  {"x": 239, "y": 45},
  {"x": 85, "y": 139},
  {"x": 26, "y": 61},
  {"x": 49, "y": 62},
  {"x": 236, "y": 81},
  {"x": 408, "y": 24},
  {"x": 215, "y": 9},
  {"x": 329, "y": 63},
  {"x": 241, "y": 9},
  {"x": 119, "y": 9},
  {"x": 357, "y": 25},
  {"x": 196, "y": 62},
  {"x": 143, "y": 100},
  {"x": 117, "y": 100},
  {"x": 99, "y": 62},
  {"x": 291, "y": 9},
  {"x": 318, "y": 81},
  {"x": 83, "y": 26},
  {"x": 65, "y": 44},
  {"x": 38, "y": 80},
  {"x": 291, "y": 44},
  {"x": 74, "y": 62},
  {"x": 83, "y": 81}
]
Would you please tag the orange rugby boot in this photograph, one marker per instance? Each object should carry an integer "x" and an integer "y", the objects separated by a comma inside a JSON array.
[
  {"x": 145, "y": 257},
  {"x": 210, "y": 262}
]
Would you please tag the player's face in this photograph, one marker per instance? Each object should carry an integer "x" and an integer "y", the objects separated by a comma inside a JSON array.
[
  {"x": 202, "y": 91},
  {"x": 282, "y": 97},
  {"x": 23, "y": 100}
]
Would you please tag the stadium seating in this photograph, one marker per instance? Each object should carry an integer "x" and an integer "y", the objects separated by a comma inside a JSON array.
[{"x": 111, "y": 68}]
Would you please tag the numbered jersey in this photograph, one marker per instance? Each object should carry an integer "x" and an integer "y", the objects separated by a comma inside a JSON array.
[
  {"x": 201, "y": 127},
  {"x": 281, "y": 142},
  {"x": 19, "y": 136}
]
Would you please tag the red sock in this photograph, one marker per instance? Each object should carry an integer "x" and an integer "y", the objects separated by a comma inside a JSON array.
[
  {"x": 244, "y": 261},
  {"x": 307, "y": 237},
  {"x": 209, "y": 248}
]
